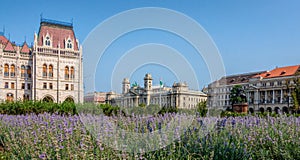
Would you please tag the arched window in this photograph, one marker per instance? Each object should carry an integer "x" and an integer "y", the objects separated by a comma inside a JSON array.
[
  {"x": 69, "y": 44},
  {"x": 48, "y": 99},
  {"x": 9, "y": 97},
  {"x": 12, "y": 70},
  {"x": 28, "y": 68},
  {"x": 6, "y": 70},
  {"x": 66, "y": 72},
  {"x": 22, "y": 71},
  {"x": 72, "y": 73},
  {"x": 47, "y": 41},
  {"x": 44, "y": 70},
  {"x": 50, "y": 71},
  {"x": 25, "y": 97}
]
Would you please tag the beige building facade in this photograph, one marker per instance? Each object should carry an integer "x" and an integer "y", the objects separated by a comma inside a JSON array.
[
  {"x": 179, "y": 95},
  {"x": 50, "y": 70}
]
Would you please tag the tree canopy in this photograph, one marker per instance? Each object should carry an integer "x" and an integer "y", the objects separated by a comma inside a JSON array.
[
  {"x": 296, "y": 94},
  {"x": 237, "y": 95}
]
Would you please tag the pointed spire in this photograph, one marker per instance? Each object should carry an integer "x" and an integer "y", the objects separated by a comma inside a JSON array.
[{"x": 41, "y": 15}]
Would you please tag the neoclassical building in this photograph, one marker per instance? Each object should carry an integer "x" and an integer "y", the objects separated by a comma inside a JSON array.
[
  {"x": 265, "y": 90},
  {"x": 219, "y": 91},
  {"x": 50, "y": 70},
  {"x": 179, "y": 95}
]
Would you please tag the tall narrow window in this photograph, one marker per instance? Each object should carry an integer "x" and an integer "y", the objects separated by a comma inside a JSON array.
[
  {"x": 72, "y": 73},
  {"x": 50, "y": 71},
  {"x": 6, "y": 85},
  {"x": 67, "y": 87},
  {"x": 12, "y": 85},
  {"x": 66, "y": 72},
  {"x": 28, "y": 71},
  {"x": 44, "y": 70},
  {"x": 44, "y": 85},
  {"x": 6, "y": 70},
  {"x": 25, "y": 97},
  {"x": 12, "y": 70},
  {"x": 50, "y": 86},
  {"x": 69, "y": 44},
  {"x": 47, "y": 41},
  {"x": 22, "y": 71},
  {"x": 23, "y": 86}
]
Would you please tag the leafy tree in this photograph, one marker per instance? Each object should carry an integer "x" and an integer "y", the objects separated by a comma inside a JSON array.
[
  {"x": 237, "y": 95},
  {"x": 202, "y": 108},
  {"x": 296, "y": 94}
]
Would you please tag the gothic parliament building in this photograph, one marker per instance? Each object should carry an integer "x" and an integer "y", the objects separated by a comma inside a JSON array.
[{"x": 49, "y": 70}]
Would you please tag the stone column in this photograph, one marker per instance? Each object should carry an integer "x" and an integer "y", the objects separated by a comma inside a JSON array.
[
  {"x": 256, "y": 97},
  {"x": 281, "y": 95},
  {"x": 273, "y": 100},
  {"x": 266, "y": 97}
]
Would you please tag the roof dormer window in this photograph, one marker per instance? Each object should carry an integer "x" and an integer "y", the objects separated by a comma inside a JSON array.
[
  {"x": 47, "y": 41},
  {"x": 283, "y": 72},
  {"x": 69, "y": 44}
]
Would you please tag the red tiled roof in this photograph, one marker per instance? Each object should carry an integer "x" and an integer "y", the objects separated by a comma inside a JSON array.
[
  {"x": 58, "y": 35},
  {"x": 25, "y": 48},
  {"x": 3, "y": 40},
  {"x": 9, "y": 47},
  {"x": 279, "y": 72}
]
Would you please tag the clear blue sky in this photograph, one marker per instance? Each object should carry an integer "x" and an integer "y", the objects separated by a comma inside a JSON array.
[{"x": 251, "y": 35}]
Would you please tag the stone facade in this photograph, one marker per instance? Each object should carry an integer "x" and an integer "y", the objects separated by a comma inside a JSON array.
[
  {"x": 178, "y": 95},
  {"x": 50, "y": 70},
  {"x": 95, "y": 97},
  {"x": 271, "y": 91},
  {"x": 266, "y": 90}
]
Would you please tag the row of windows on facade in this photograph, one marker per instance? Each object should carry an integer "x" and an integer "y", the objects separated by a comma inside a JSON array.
[
  {"x": 51, "y": 86},
  {"x": 190, "y": 105},
  {"x": 12, "y": 85},
  {"x": 48, "y": 71},
  {"x": 193, "y": 99},
  {"x": 261, "y": 93},
  {"x": 275, "y": 83},
  {"x": 11, "y": 70},
  {"x": 10, "y": 97},
  {"x": 68, "y": 44},
  {"x": 263, "y": 84}
]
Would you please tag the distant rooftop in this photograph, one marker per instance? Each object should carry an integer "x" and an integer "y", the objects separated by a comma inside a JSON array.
[{"x": 55, "y": 22}]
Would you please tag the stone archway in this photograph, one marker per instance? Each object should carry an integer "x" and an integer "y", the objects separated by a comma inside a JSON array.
[
  {"x": 277, "y": 110},
  {"x": 251, "y": 110},
  {"x": 262, "y": 110},
  {"x": 69, "y": 99},
  {"x": 269, "y": 109},
  {"x": 285, "y": 110},
  {"x": 48, "y": 99}
]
